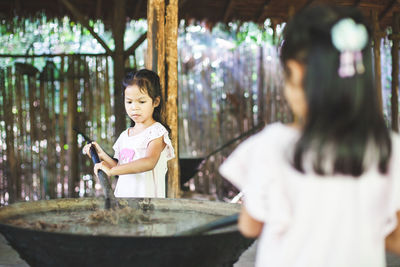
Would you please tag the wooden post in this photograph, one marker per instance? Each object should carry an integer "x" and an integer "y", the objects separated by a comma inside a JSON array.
[
  {"x": 162, "y": 57},
  {"x": 118, "y": 29},
  {"x": 156, "y": 39},
  {"x": 395, "y": 73},
  {"x": 171, "y": 35},
  {"x": 377, "y": 35}
]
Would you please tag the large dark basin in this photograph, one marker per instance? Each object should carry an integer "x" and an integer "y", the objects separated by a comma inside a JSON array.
[{"x": 58, "y": 248}]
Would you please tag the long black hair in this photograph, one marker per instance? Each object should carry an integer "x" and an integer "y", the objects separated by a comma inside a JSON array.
[
  {"x": 148, "y": 82},
  {"x": 343, "y": 118}
]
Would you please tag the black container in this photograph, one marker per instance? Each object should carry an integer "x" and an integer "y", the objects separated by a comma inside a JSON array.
[{"x": 42, "y": 248}]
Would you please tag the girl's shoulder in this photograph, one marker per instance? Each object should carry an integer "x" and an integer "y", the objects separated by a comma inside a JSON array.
[
  {"x": 158, "y": 127},
  {"x": 157, "y": 130},
  {"x": 274, "y": 140},
  {"x": 278, "y": 128},
  {"x": 259, "y": 154},
  {"x": 274, "y": 134}
]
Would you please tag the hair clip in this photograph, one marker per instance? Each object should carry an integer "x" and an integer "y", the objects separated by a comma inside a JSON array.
[{"x": 350, "y": 39}]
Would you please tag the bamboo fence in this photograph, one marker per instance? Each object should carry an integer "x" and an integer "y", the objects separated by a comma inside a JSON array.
[
  {"x": 222, "y": 96},
  {"x": 40, "y": 152}
]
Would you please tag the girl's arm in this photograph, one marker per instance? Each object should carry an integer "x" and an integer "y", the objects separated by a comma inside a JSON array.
[
  {"x": 248, "y": 226},
  {"x": 393, "y": 239},
  {"x": 146, "y": 163}
]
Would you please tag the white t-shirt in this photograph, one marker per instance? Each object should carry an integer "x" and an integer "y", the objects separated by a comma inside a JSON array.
[
  {"x": 129, "y": 148},
  {"x": 313, "y": 221}
]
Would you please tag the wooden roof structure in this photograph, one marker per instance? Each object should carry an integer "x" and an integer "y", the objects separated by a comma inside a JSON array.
[{"x": 211, "y": 11}]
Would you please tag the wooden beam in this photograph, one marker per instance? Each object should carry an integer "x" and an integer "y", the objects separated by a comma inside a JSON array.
[
  {"x": 228, "y": 10},
  {"x": 171, "y": 58},
  {"x": 395, "y": 74},
  {"x": 135, "y": 45},
  {"x": 357, "y": 3},
  {"x": 49, "y": 55},
  {"x": 260, "y": 16},
  {"x": 387, "y": 9},
  {"x": 85, "y": 22}
]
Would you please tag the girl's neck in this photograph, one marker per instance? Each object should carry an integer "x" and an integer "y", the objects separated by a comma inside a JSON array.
[{"x": 140, "y": 127}]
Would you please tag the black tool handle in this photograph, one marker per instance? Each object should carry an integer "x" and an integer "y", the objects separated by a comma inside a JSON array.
[
  {"x": 110, "y": 201},
  {"x": 94, "y": 155},
  {"x": 108, "y": 194}
]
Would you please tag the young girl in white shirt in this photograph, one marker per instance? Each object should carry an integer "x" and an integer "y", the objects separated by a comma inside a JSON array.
[
  {"x": 324, "y": 191},
  {"x": 142, "y": 150}
]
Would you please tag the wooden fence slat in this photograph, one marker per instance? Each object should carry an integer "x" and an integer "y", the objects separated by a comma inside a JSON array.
[
  {"x": 3, "y": 176},
  {"x": 98, "y": 90},
  {"x": 42, "y": 110},
  {"x": 32, "y": 129},
  {"x": 71, "y": 136},
  {"x": 107, "y": 98},
  {"x": 52, "y": 125},
  {"x": 20, "y": 134},
  {"x": 11, "y": 153},
  {"x": 61, "y": 130}
]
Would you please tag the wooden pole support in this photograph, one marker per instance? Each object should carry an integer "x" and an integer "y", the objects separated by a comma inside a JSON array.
[
  {"x": 162, "y": 57},
  {"x": 156, "y": 38},
  {"x": 171, "y": 36}
]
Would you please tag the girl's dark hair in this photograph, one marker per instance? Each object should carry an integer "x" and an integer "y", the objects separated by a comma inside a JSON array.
[
  {"x": 343, "y": 117},
  {"x": 148, "y": 82}
]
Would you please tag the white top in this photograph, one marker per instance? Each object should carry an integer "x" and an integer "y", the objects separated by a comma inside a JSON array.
[
  {"x": 311, "y": 221},
  {"x": 130, "y": 148}
]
